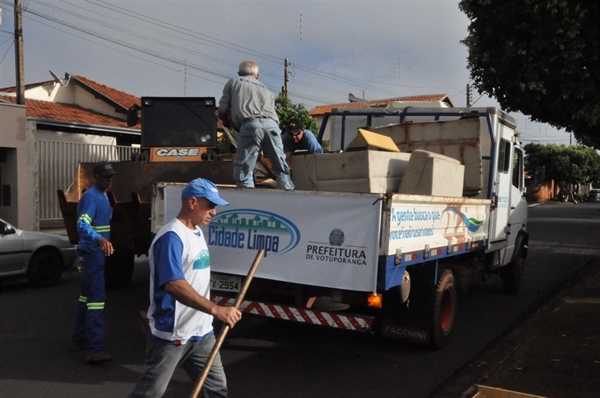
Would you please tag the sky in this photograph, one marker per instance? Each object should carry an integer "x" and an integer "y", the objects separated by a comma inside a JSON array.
[{"x": 372, "y": 49}]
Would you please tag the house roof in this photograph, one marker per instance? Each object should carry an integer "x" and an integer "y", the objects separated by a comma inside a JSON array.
[
  {"x": 46, "y": 110},
  {"x": 321, "y": 110},
  {"x": 71, "y": 113},
  {"x": 111, "y": 94},
  {"x": 118, "y": 97}
]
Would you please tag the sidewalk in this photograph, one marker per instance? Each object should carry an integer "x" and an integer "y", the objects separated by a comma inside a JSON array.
[{"x": 554, "y": 353}]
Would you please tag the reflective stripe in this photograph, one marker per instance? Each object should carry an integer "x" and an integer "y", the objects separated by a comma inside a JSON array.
[
  {"x": 101, "y": 228},
  {"x": 85, "y": 218},
  {"x": 82, "y": 299},
  {"x": 98, "y": 228},
  {"x": 95, "y": 306}
]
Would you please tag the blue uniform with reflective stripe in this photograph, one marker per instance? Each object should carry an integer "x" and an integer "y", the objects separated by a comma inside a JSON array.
[{"x": 93, "y": 222}]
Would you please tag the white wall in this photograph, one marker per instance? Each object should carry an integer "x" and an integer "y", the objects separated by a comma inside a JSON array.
[{"x": 20, "y": 169}]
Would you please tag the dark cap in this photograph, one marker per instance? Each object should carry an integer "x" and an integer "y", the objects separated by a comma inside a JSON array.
[
  {"x": 294, "y": 126},
  {"x": 200, "y": 188},
  {"x": 104, "y": 169}
]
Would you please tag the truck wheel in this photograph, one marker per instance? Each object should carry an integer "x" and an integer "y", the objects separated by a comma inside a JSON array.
[
  {"x": 444, "y": 309},
  {"x": 513, "y": 273},
  {"x": 45, "y": 269},
  {"x": 118, "y": 269}
]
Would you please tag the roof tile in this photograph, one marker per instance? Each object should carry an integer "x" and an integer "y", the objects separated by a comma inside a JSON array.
[
  {"x": 66, "y": 113},
  {"x": 320, "y": 110}
]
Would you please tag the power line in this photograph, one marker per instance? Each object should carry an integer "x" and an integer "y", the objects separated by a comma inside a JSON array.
[{"x": 182, "y": 34}]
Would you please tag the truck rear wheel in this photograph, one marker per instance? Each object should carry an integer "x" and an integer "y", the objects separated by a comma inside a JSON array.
[
  {"x": 444, "y": 309},
  {"x": 118, "y": 269}
]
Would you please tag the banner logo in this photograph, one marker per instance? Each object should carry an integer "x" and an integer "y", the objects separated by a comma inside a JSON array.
[
  {"x": 336, "y": 252},
  {"x": 472, "y": 224},
  {"x": 336, "y": 237},
  {"x": 253, "y": 230}
]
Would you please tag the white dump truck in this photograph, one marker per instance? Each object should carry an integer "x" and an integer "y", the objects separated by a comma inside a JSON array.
[{"x": 381, "y": 233}]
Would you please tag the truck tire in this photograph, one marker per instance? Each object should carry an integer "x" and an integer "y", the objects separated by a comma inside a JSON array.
[
  {"x": 444, "y": 309},
  {"x": 45, "y": 269},
  {"x": 512, "y": 275},
  {"x": 118, "y": 269}
]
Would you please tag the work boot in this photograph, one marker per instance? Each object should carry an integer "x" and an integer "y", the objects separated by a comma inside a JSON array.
[
  {"x": 78, "y": 345},
  {"x": 98, "y": 356}
]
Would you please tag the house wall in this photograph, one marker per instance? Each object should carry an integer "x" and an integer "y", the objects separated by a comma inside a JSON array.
[{"x": 18, "y": 168}]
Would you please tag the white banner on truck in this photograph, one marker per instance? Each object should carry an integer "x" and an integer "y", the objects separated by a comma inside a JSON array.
[
  {"x": 326, "y": 239},
  {"x": 437, "y": 222}
]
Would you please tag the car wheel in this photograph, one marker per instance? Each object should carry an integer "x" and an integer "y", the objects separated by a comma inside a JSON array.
[
  {"x": 45, "y": 269},
  {"x": 444, "y": 309}
]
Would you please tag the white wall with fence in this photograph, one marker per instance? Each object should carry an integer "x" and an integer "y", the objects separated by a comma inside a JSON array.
[{"x": 57, "y": 168}]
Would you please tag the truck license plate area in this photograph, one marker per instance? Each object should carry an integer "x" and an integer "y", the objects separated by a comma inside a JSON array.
[{"x": 226, "y": 283}]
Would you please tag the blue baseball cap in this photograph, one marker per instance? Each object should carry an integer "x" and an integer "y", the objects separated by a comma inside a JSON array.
[{"x": 200, "y": 188}]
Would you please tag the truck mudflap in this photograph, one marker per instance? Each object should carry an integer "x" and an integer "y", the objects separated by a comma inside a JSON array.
[{"x": 359, "y": 323}]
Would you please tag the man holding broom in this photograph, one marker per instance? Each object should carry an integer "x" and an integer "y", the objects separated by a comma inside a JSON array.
[{"x": 180, "y": 314}]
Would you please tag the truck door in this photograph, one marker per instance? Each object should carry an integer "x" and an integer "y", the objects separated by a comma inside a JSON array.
[{"x": 502, "y": 184}]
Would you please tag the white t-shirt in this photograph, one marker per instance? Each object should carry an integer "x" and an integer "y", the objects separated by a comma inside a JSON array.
[{"x": 178, "y": 252}]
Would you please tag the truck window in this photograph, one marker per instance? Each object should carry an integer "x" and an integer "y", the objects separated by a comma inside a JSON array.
[
  {"x": 517, "y": 177},
  {"x": 504, "y": 156}
]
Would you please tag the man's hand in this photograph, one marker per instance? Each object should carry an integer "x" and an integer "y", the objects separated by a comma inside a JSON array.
[
  {"x": 183, "y": 292},
  {"x": 105, "y": 246},
  {"x": 228, "y": 315},
  {"x": 225, "y": 117}
]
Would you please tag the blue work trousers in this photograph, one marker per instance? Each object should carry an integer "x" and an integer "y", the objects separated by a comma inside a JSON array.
[
  {"x": 89, "y": 321},
  {"x": 162, "y": 359},
  {"x": 258, "y": 135}
]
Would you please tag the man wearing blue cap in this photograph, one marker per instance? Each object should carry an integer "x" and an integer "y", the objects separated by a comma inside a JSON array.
[{"x": 180, "y": 314}]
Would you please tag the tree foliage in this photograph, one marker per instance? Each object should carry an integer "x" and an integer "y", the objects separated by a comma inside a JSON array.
[
  {"x": 287, "y": 111},
  {"x": 541, "y": 58},
  {"x": 574, "y": 164}
]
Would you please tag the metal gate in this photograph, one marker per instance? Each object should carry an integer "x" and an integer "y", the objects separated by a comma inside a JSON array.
[{"x": 57, "y": 168}]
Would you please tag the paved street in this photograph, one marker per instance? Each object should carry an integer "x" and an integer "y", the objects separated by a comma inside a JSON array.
[{"x": 277, "y": 359}]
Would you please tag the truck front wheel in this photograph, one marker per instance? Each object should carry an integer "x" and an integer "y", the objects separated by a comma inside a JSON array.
[
  {"x": 444, "y": 309},
  {"x": 118, "y": 269}
]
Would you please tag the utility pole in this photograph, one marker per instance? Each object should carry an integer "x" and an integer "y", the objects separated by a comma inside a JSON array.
[
  {"x": 286, "y": 78},
  {"x": 19, "y": 68}
]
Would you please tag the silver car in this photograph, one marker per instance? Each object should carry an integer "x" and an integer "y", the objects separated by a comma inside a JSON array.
[{"x": 39, "y": 256}]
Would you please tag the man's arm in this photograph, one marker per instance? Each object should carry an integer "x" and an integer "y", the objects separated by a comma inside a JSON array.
[
  {"x": 313, "y": 144},
  {"x": 225, "y": 117},
  {"x": 183, "y": 292}
]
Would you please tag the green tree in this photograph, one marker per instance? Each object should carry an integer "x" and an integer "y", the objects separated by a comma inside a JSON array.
[
  {"x": 286, "y": 111},
  {"x": 575, "y": 164},
  {"x": 541, "y": 58}
]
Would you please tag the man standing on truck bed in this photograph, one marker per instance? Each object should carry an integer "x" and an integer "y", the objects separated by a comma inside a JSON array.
[
  {"x": 93, "y": 224},
  {"x": 251, "y": 107},
  {"x": 181, "y": 313}
]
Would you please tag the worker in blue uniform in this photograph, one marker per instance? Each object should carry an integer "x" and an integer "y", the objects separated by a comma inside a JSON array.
[{"x": 93, "y": 225}]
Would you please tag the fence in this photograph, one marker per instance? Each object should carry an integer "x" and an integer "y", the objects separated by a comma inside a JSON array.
[{"x": 57, "y": 168}]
